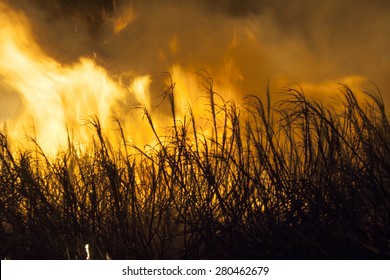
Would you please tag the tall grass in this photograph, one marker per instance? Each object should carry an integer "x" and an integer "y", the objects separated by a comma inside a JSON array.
[{"x": 295, "y": 180}]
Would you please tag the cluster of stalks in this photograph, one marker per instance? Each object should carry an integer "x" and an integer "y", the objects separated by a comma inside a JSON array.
[{"x": 294, "y": 180}]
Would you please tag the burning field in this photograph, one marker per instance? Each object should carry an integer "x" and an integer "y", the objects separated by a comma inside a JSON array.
[{"x": 205, "y": 130}]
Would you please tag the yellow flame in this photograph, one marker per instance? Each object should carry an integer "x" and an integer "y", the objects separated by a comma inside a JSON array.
[
  {"x": 56, "y": 98},
  {"x": 54, "y": 95},
  {"x": 140, "y": 88}
]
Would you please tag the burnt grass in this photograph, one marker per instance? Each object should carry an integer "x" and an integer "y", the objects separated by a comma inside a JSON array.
[{"x": 292, "y": 180}]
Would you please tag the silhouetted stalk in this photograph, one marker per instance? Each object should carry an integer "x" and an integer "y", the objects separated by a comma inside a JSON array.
[{"x": 297, "y": 179}]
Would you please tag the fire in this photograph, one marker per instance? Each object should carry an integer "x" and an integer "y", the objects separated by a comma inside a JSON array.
[
  {"x": 56, "y": 99},
  {"x": 54, "y": 96},
  {"x": 140, "y": 88}
]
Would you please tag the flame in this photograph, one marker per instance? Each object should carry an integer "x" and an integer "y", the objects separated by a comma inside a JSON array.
[
  {"x": 54, "y": 96},
  {"x": 140, "y": 88},
  {"x": 55, "y": 99}
]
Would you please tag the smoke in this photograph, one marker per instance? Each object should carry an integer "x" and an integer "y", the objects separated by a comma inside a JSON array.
[{"x": 243, "y": 43}]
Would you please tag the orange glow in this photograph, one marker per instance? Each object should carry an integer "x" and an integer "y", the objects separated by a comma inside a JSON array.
[
  {"x": 57, "y": 99},
  {"x": 127, "y": 16},
  {"x": 54, "y": 96}
]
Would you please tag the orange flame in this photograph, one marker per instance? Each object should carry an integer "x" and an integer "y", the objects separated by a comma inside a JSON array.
[
  {"x": 54, "y": 96},
  {"x": 55, "y": 99}
]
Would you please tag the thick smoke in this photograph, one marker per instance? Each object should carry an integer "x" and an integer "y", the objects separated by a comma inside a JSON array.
[{"x": 248, "y": 42}]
